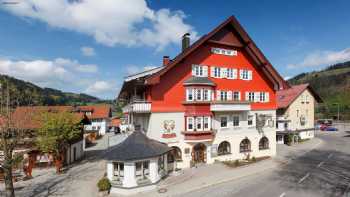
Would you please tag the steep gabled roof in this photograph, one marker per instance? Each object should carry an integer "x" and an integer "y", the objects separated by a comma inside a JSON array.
[
  {"x": 245, "y": 42},
  {"x": 287, "y": 96}
]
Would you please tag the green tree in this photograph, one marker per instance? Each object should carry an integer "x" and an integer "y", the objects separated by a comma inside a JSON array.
[{"x": 58, "y": 130}]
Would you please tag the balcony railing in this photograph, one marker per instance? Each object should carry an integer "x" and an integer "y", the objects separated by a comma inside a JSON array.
[
  {"x": 199, "y": 135},
  {"x": 230, "y": 106},
  {"x": 137, "y": 106}
]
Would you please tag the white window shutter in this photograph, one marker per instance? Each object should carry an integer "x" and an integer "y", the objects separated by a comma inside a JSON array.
[
  {"x": 218, "y": 92},
  {"x": 212, "y": 71},
  {"x": 187, "y": 93},
  {"x": 239, "y": 96},
  {"x": 205, "y": 71},
  {"x": 247, "y": 96},
  {"x": 234, "y": 73},
  {"x": 256, "y": 96},
  {"x": 267, "y": 97},
  {"x": 229, "y": 95},
  {"x": 209, "y": 95},
  {"x": 250, "y": 75},
  {"x": 193, "y": 70},
  {"x": 212, "y": 96},
  {"x": 240, "y": 74}
]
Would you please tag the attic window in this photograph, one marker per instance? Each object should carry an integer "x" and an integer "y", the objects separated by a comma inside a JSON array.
[
  {"x": 282, "y": 97},
  {"x": 221, "y": 51}
]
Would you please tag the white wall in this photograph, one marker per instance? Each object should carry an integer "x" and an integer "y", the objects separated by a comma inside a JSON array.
[
  {"x": 102, "y": 124},
  {"x": 79, "y": 152}
]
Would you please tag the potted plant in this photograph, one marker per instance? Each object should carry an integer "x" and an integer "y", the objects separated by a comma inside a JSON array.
[{"x": 104, "y": 186}]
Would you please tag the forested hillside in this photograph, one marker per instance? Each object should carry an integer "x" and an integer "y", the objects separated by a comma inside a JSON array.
[
  {"x": 30, "y": 94},
  {"x": 333, "y": 85}
]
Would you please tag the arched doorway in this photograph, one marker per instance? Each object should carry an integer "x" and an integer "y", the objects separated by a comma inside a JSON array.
[{"x": 199, "y": 153}]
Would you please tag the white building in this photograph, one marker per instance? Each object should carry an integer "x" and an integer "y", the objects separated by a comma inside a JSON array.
[
  {"x": 296, "y": 112},
  {"x": 99, "y": 115}
]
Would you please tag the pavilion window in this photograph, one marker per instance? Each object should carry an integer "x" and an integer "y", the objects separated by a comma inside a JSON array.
[
  {"x": 142, "y": 169},
  {"x": 118, "y": 169},
  {"x": 161, "y": 163}
]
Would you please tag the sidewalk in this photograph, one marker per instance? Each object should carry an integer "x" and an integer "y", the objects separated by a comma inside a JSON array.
[{"x": 208, "y": 175}]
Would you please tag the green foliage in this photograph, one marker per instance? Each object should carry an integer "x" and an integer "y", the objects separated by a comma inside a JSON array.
[
  {"x": 57, "y": 131},
  {"x": 253, "y": 159},
  {"x": 104, "y": 184}
]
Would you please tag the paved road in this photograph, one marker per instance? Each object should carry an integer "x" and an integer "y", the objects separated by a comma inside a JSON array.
[{"x": 321, "y": 172}]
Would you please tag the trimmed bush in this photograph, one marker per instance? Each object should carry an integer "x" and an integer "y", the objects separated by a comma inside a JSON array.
[{"x": 104, "y": 184}]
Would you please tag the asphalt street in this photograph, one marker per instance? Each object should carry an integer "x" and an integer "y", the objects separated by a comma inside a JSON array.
[{"x": 324, "y": 171}]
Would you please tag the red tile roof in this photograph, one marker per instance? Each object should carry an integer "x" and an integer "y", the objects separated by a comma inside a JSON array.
[
  {"x": 97, "y": 111},
  {"x": 287, "y": 96},
  {"x": 28, "y": 117}
]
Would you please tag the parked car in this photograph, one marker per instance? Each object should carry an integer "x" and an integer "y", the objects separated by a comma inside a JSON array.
[{"x": 331, "y": 129}]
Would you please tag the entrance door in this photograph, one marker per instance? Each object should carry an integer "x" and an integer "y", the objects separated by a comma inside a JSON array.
[{"x": 199, "y": 153}]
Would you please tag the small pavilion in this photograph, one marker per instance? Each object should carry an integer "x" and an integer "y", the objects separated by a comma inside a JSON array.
[{"x": 136, "y": 164}]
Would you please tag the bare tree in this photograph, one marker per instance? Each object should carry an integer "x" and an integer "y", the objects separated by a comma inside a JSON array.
[{"x": 11, "y": 134}]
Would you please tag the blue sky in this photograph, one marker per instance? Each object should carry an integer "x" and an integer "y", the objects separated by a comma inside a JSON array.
[{"x": 89, "y": 46}]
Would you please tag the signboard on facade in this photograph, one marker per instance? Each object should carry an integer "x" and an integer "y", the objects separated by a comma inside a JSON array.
[{"x": 214, "y": 150}]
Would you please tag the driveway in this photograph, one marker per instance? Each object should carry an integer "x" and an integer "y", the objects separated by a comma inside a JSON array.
[{"x": 324, "y": 171}]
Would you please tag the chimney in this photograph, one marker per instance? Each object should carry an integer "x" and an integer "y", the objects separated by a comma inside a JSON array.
[
  {"x": 166, "y": 60},
  {"x": 185, "y": 41}
]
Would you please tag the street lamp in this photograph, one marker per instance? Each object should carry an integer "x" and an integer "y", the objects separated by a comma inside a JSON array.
[{"x": 338, "y": 105}]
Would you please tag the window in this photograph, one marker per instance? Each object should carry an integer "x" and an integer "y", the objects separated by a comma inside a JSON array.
[
  {"x": 264, "y": 143},
  {"x": 189, "y": 95},
  {"x": 161, "y": 163},
  {"x": 221, "y": 51},
  {"x": 250, "y": 120},
  {"x": 118, "y": 169},
  {"x": 244, "y": 146},
  {"x": 236, "y": 96},
  {"x": 199, "y": 123},
  {"x": 224, "y": 148},
  {"x": 199, "y": 71},
  {"x": 262, "y": 97},
  {"x": 250, "y": 96},
  {"x": 190, "y": 123},
  {"x": 245, "y": 74},
  {"x": 223, "y": 121},
  {"x": 206, "y": 123},
  {"x": 231, "y": 73},
  {"x": 307, "y": 99},
  {"x": 142, "y": 169},
  {"x": 236, "y": 121},
  {"x": 216, "y": 72},
  {"x": 223, "y": 95},
  {"x": 198, "y": 94},
  {"x": 297, "y": 113}
]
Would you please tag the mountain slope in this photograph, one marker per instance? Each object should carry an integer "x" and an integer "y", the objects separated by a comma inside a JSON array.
[
  {"x": 333, "y": 85},
  {"x": 30, "y": 94}
]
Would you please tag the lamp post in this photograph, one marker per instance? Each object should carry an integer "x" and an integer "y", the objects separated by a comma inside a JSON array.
[{"x": 338, "y": 106}]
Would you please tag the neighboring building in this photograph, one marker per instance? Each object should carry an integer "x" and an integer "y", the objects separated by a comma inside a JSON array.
[
  {"x": 296, "y": 112},
  {"x": 99, "y": 115},
  {"x": 27, "y": 118},
  {"x": 215, "y": 101},
  {"x": 114, "y": 125}
]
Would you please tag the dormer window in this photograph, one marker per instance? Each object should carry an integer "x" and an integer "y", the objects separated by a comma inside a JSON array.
[{"x": 199, "y": 70}]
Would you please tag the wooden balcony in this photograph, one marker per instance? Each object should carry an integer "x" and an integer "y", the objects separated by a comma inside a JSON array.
[{"x": 197, "y": 136}]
